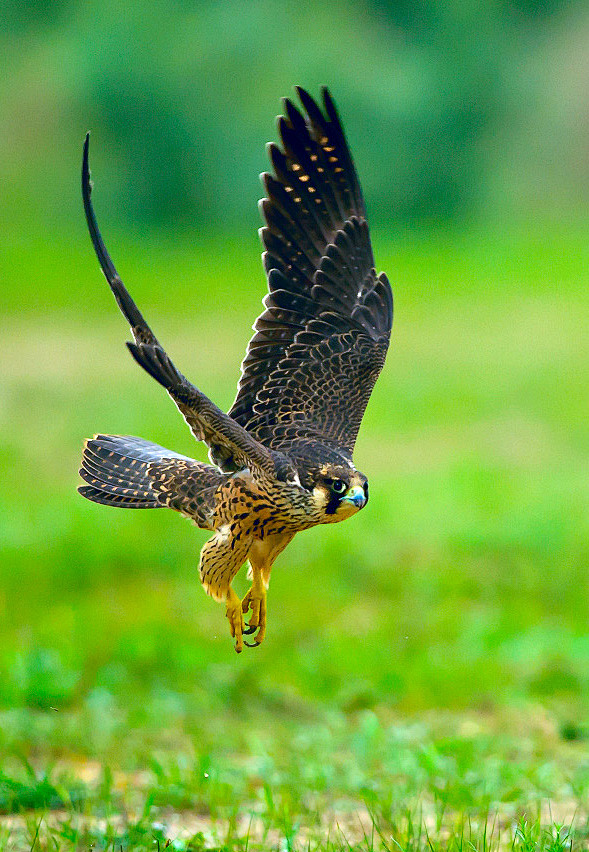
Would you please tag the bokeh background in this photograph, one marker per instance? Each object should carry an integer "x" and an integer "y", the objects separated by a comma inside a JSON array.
[{"x": 463, "y": 587}]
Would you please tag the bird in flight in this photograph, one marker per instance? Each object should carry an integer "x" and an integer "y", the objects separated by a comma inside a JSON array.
[{"x": 281, "y": 459}]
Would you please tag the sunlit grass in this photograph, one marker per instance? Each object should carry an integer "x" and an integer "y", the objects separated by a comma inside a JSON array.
[{"x": 320, "y": 782}]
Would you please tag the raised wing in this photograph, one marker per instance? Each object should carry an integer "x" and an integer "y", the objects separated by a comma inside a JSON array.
[
  {"x": 322, "y": 340},
  {"x": 226, "y": 438}
]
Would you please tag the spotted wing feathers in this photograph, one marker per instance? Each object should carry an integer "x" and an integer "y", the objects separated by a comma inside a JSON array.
[{"x": 323, "y": 337}]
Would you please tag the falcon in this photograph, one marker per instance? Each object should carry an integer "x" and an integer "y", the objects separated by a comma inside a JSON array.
[{"x": 281, "y": 459}]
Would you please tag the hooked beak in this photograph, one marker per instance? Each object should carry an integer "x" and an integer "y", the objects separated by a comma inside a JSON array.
[{"x": 355, "y": 496}]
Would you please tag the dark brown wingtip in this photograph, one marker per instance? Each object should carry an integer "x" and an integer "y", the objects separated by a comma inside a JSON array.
[
  {"x": 86, "y": 183},
  {"x": 124, "y": 300},
  {"x": 103, "y": 256},
  {"x": 85, "y": 170},
  {"x": 302, "y": 93},
  {"x": 333, "y": 114}
]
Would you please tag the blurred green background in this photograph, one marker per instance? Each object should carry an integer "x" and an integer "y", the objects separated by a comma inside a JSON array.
[{"x": 464, "y": 585}]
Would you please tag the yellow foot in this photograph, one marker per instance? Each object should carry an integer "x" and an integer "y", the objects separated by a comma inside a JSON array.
[
  {"x": 235, "y": 617},
  {"x": 256, "y": 601}
]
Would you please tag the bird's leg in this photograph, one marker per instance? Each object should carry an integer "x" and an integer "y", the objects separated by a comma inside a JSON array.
[
  {"x": 220, "y": 560},
  {"x": 235, "y": 617},
  {"x": 255, "y": 600}
]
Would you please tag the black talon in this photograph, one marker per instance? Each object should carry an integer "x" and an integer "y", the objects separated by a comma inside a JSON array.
[
  {"x": 247, "y": 631},
  {"x": 251, "y": 645}
]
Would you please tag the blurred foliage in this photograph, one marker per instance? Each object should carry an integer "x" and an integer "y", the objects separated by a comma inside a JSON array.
[{"x": 452, "y": 108}]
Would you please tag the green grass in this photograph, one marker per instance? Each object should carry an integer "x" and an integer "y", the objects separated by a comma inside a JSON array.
[
  {"x": 322, "y": 782},
  {"x": 424, "y": 683}
]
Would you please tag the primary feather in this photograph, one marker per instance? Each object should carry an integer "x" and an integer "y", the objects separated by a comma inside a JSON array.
[{"x": 322, "y": 339}]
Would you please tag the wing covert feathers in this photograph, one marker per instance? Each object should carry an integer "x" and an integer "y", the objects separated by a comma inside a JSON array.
[{"x": 325, "y": 298}]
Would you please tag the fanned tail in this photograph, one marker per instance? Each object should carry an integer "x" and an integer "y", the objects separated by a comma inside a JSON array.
[
  {"x": 117, "y": 471},
  {"x": 137, "y": 474}
]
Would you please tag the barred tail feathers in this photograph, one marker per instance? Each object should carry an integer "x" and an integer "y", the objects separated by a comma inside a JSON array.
[
  {"x": 116, "y": 471},
  {"x": 136, "y": 474}
]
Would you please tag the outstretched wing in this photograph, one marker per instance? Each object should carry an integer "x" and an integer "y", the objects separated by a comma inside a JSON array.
[
  {"x": 322, "y": 340},
  {"x": 226, "y": 438}
]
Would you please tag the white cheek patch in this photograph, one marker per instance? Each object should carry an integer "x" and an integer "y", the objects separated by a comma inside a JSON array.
[{"x": 320, "y": 497}]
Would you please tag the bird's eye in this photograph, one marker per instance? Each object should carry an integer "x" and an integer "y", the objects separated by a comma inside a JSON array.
[{"x": 339, "y": 486}]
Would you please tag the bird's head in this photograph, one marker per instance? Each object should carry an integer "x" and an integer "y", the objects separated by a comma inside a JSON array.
[{"x": 340, "y": 491}]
